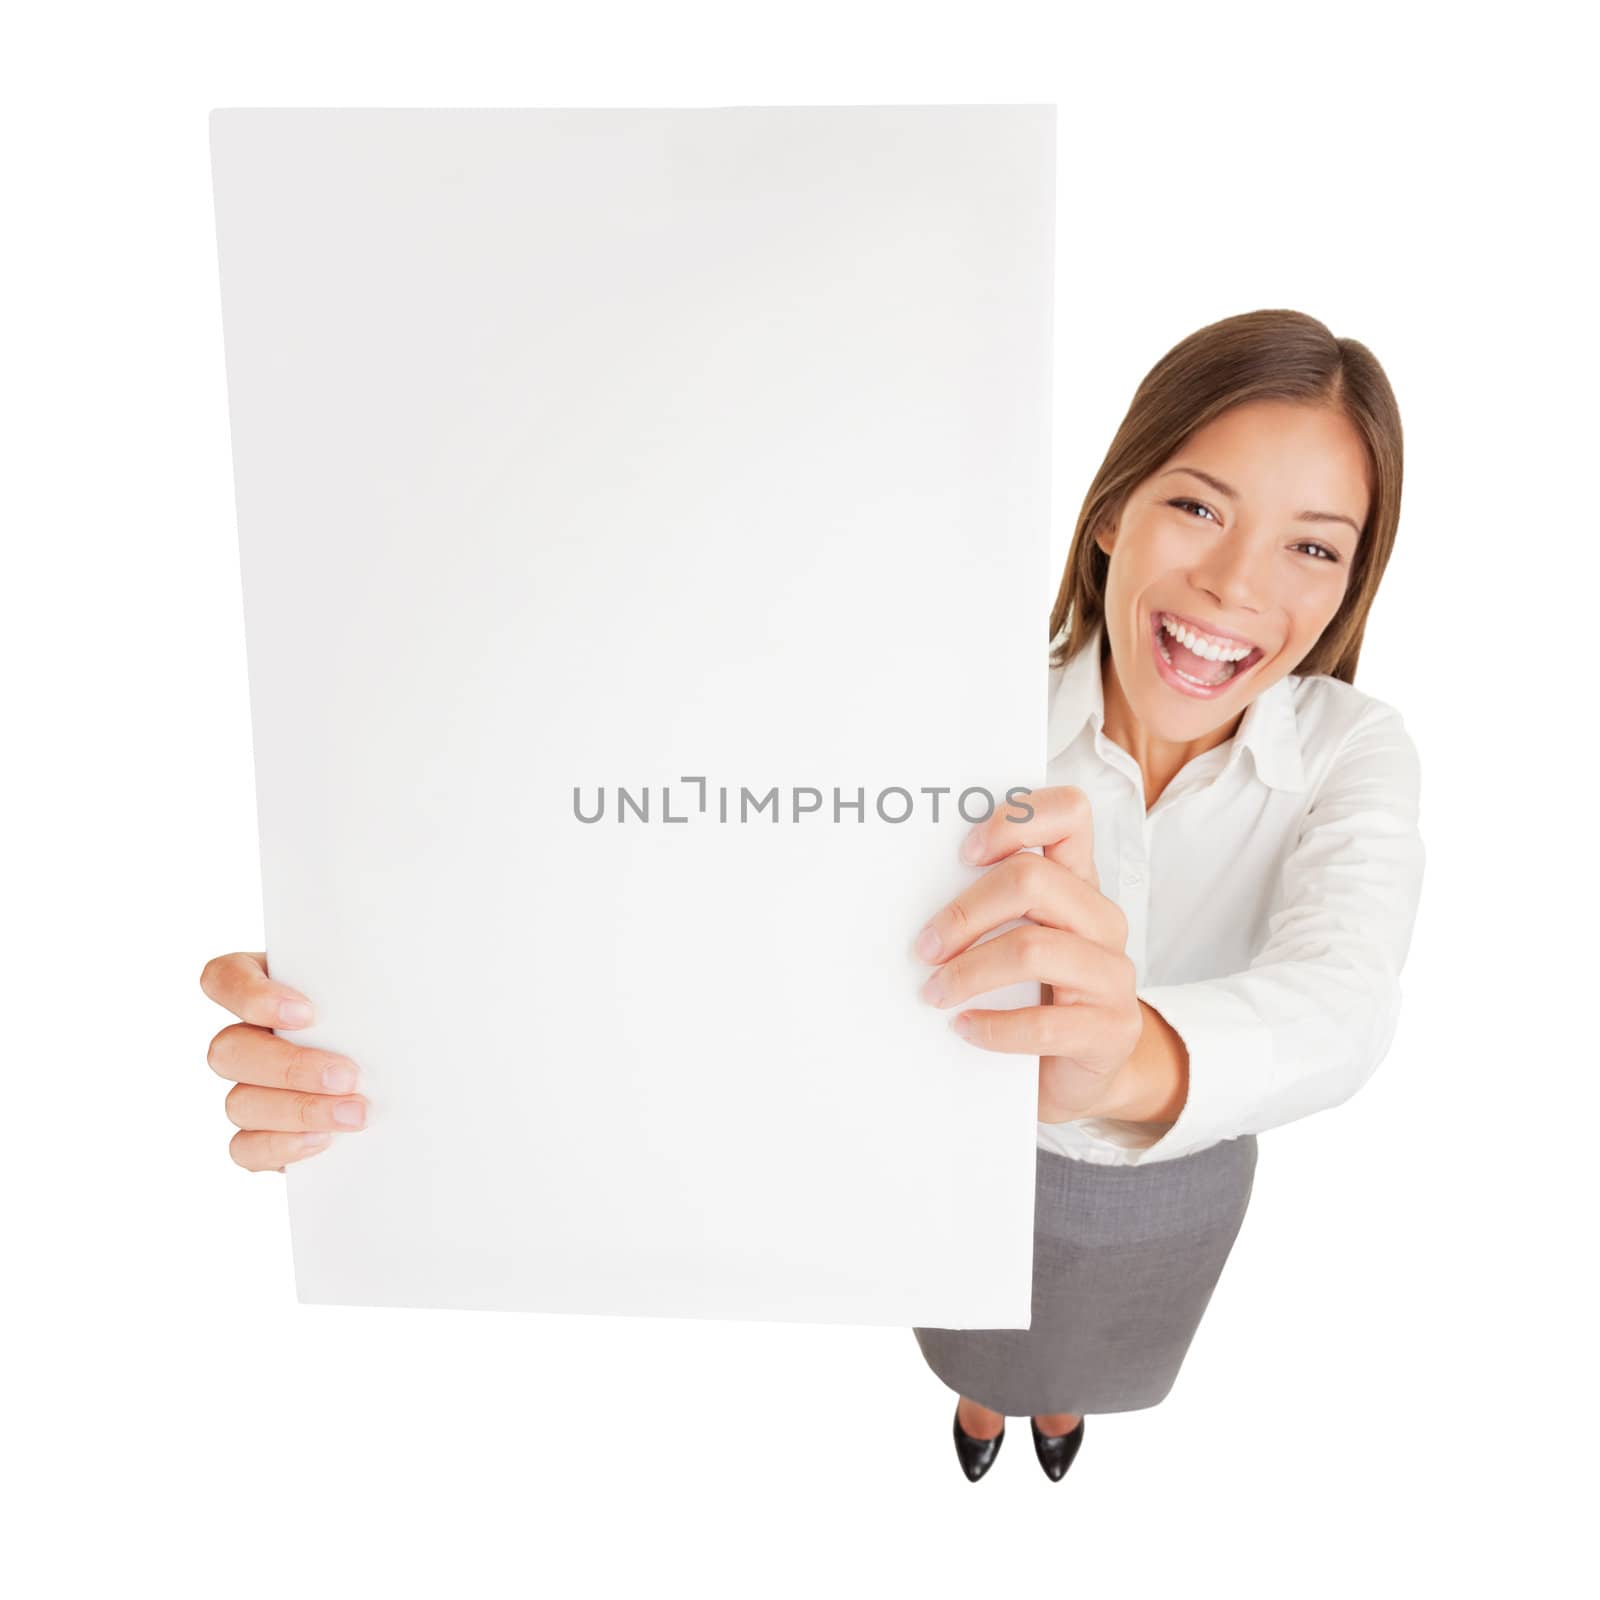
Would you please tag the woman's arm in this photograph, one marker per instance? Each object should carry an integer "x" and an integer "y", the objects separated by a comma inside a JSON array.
[{"x": 1308, "y": 1022}]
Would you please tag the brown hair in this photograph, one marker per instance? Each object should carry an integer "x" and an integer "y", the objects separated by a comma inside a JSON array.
[{"x": 1261, "y": 355}]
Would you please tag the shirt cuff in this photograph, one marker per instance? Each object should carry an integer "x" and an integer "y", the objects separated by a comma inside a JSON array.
[
  {"x": 1230, "y": 1065},
  {"x": 1112, "y": 1133}
]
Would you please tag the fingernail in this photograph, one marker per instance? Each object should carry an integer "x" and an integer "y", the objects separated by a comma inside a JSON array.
[
  {"x": 339, "y": 1079},
  {"x": 972, "y": 847},
  {"x": 294, "y": 1013},
  {"x": 933, "y": 989},
  {"x": 314, "y": 1141},
  {"x": 927, "y": 945},
  {"x": 350, "y": 1113},
  {"x": 962, "y": 1025}
]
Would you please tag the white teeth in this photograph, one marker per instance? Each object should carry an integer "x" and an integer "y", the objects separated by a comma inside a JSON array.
[
  {"x": 1202, "y": 646},
  {"x": 1189, "y": 677}
]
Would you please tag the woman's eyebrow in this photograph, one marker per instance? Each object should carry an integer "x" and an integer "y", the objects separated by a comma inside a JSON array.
[
  {"x": 1233, "y": 494},
  {"x": 1204, "y": 477}
]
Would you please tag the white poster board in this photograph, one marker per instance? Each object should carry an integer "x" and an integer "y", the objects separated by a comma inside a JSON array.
[{"x": 696, "y": 451}]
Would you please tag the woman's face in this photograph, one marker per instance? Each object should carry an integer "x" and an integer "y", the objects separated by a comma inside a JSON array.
[{"x": 1250, "y": 531}]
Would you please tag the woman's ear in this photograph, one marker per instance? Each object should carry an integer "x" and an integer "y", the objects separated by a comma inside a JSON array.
[{"x": 1105, "y": 536}]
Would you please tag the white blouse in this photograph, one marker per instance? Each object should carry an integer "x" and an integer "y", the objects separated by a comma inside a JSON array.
[{"x": 1270, "y": 901}]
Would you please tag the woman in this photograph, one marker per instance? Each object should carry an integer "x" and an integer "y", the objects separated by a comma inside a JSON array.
[
  {"x": 1231, "y": 860},
  {"x": 1236, "y": 532}
]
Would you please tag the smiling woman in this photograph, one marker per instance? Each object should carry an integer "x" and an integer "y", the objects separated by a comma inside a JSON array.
[
  {"x": 1264, "y": 417},
  {"x": 1229, "y": 860},
  {"x": 1226, "y": 594}
]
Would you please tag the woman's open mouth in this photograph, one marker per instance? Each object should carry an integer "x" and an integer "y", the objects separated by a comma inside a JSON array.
[{"x": 1197, "y": 663}]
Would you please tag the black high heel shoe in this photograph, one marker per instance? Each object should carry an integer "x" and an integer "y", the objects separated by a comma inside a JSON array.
[
  {"x": 976, "y": 1455},
  {"x": 1055, "y": 1454}
]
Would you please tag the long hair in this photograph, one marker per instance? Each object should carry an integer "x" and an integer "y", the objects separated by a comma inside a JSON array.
[{"x": 1260, "y": 355}]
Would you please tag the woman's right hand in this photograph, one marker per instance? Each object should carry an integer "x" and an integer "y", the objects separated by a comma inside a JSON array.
[{"x": 287, "y": 1099}]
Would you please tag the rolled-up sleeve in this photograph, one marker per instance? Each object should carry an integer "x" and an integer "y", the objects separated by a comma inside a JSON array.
[{"x": 1308, "y": 1022}]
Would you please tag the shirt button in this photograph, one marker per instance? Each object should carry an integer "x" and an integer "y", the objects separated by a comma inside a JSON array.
[{"x": 1133, "y": 877}]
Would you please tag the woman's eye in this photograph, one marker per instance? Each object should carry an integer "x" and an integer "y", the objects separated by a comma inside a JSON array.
[
  {"x": 1196, "y": 505},
  {"x": 1327, "y": 554}
]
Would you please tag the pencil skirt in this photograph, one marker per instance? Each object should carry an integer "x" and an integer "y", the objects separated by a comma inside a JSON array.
[{"x": 1125, "y": 1259}]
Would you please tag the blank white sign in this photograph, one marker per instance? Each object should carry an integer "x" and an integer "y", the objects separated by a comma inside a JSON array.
[{"x": 684, "y": 453}]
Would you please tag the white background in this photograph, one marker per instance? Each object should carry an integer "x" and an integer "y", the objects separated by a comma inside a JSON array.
[{"x": 1392, "y": 1385}]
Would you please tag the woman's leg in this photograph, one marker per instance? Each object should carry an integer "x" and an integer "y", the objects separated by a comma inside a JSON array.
[
  {"x": 978, "y": 1422},
  {"x": 1057, "y": 1423}
]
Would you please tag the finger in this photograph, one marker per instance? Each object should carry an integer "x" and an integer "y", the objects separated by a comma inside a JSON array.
[
  {"x": 1079, "y": 970},
  {"x": 239, "y": 982},
  {"x": 1025, "y": 885},
  {"x": 243, "y": 1053},
  {"x": 285, "y": 1111},
  {"x": 271, "y": 1152},
  {"x": 1058, "y": 820},
  {"x": 1065, "y": 1031}
]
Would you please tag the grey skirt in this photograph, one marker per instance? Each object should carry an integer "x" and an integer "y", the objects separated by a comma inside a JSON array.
[{"x": 1124, "y": 1262}]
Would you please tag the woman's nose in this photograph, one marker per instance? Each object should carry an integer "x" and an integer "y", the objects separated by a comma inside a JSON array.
[{"x": 1238, "y": 577}]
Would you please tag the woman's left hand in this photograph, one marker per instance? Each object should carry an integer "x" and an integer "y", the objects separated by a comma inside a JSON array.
[{"x": 1074, "y": 942}]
